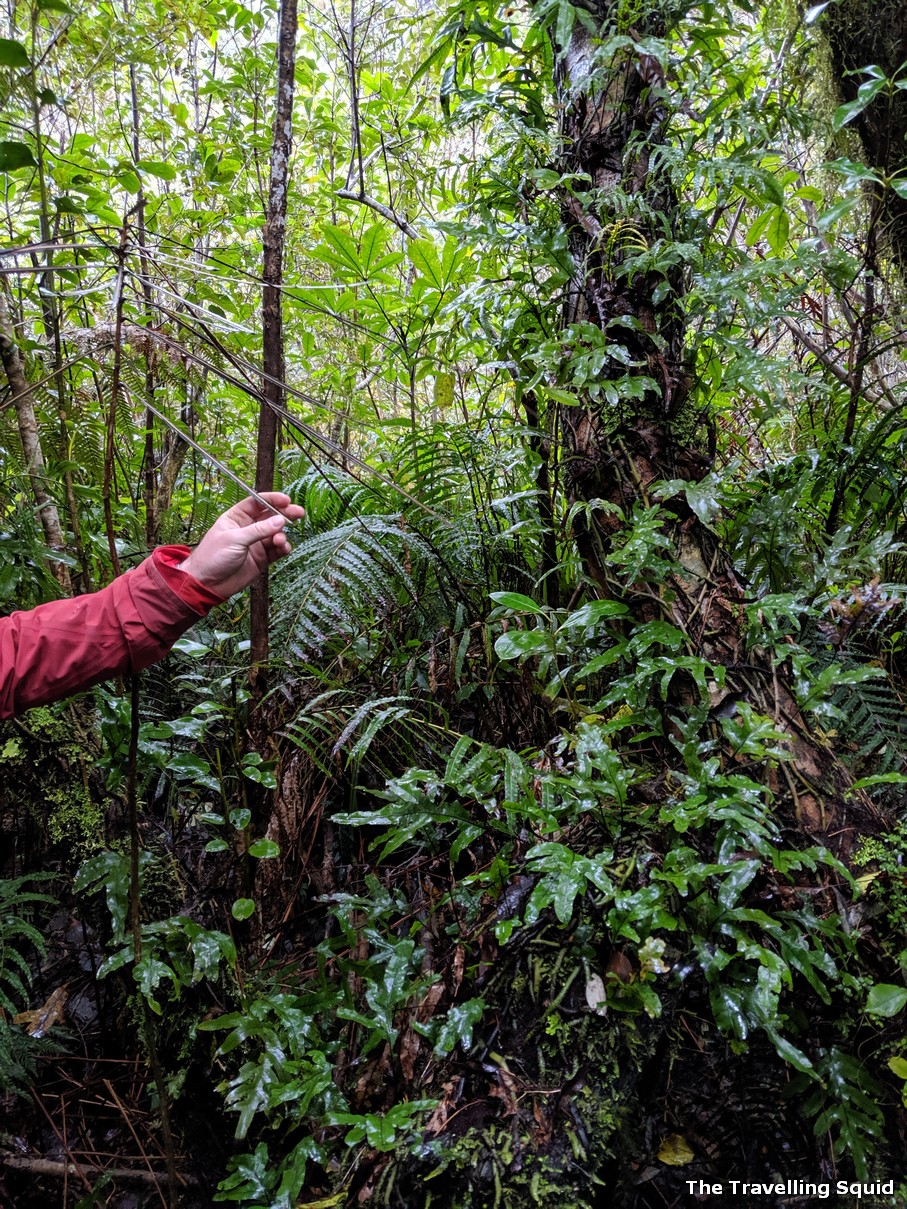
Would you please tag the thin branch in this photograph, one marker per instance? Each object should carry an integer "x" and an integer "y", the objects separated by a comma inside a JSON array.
[
  {"x": 379, "y": 208},
  {"x": 833, "y": 366},
  {"x": 55, "y": 1167}
]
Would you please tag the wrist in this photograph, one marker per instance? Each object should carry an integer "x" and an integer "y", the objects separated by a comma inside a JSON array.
[{"x": 176, "y": 566}]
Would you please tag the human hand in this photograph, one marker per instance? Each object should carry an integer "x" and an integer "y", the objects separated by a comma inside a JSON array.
[{"x": 241, "y": 543}]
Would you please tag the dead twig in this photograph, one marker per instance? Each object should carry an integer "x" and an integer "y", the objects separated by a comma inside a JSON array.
[{"x": 61, "y": 1170}]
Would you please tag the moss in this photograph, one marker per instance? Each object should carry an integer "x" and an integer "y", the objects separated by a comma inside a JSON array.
[
  {"x": 46, "y": 757},
  {"x": 75, "y": 819},
  {"x": 549, "y": 1101}
]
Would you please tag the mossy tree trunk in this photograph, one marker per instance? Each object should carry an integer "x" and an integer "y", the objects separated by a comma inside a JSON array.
[{"x": 634, "y": 427}]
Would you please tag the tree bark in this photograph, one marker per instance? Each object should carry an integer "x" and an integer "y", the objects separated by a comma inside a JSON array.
[
  {"x": 860, "y": 34},
  {"x": 633, "y": 427},
  {"x": 272, "y": 314},
  {"x": 26, "y": 415}
]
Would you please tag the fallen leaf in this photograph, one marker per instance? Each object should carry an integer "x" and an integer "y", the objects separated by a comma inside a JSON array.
[
  {"x": 620, "y": 967},
  {"x": 596, "y": 995},
  {"x": 430, "y": 1001},
  {"x": 410, "y": 1046},
  {"x": 438, "y": 1118},
  {"x": 459, "y": 965},
  {"x": 42, "y": 1019},
  {"x": 675, "y": 1151},
  {"x": 543, "y": 1133}
]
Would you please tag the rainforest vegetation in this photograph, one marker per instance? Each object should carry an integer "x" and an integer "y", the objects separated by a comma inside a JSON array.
[{"x": 535, "y": 835}]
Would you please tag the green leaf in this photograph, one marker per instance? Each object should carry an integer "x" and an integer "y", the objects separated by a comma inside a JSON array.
[
  {"x": 898, "y": 1066},
  {"x": 457, "y": 1027},
  {"x": 13, "y": 54},
  {"x": 371, "y": 246},
  {"x": 618, "y": 651},
  {"x": 790, "y": 1053},
  {"x": 567, "y": 887},
  {"x": 166, "y": 172},
  {"x": 865, "y": 96},
  {"x": 517, "y": 643},
  {"x": 885, "y": 999},
  {"x": 594, "y": 612},
  {"x": 777, "y": 230},
  {"x": 424, "y": 255},
  {"x": 738, "y": 878},
  {"x": 517, "y": 601},
  {"x": 264, "y": 849},
  {"x": 835, "y": 213},
  {"x": 757, "y": 229},
  {"x": 881, "y": 778},
  {"x": 66, "y": 205},
  {"x": 566, "y": 19},
  {"x": 242, "y": 908},
  {"x": 188, "y": 767},
  {"x": 444, "y": 390},
  {"x": 15, "y": 155},
  {"x": 339, "y": 249},
  {"x": 852, "y": 169},
  {"x": 217, "y": 845},
  {"x": 568, "y": 398}
]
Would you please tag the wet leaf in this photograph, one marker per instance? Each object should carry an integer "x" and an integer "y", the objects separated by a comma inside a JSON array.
[
  {"x": 516, "y": 643},
  {"x": 264, "y": 849}
]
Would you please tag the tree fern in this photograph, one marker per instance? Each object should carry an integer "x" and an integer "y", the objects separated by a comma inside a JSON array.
[
  {"x": 342, "y": 582},
  {"x": 364, "y": 732}
]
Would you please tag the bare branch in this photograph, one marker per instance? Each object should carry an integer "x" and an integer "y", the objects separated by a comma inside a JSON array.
[
  {"x": 379, "y": 208},
  {"x": 835, "y": 368}
]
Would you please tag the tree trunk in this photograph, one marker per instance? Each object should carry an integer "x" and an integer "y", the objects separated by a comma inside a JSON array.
[
  {"x": 860, "y": 34},
  {"x": 272, "y": 315},
  {"x": 634, "y": 428},
  {"x": 26, "y": 416}
]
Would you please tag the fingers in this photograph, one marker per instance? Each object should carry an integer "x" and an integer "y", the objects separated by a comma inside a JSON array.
[
  {"x": 276, "y": 549},
  {"x": 267, "y": 530},
  {"x": 250, "y": 511},
  {"x": 277, "y": 499}
]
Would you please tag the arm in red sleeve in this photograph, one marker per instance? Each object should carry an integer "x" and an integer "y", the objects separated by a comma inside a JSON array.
[{"x": 68, "y": 645}]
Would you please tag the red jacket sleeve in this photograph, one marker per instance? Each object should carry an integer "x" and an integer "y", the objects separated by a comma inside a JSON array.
[{"x": 68, "y": 645}]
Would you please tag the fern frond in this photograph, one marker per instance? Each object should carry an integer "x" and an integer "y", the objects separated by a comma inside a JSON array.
[{"x": 340, "y": 583}]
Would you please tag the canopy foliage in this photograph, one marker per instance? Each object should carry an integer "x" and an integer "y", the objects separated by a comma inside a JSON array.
[{"x": 555, "y": 856}]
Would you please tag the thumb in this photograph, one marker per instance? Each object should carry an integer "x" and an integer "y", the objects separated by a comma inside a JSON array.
[{"x": 248, "y": 535}]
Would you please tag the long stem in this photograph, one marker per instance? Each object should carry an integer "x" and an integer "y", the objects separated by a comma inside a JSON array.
[
  {"x": 272, "y": 312},
  {"x": 151, "y": 513}
]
